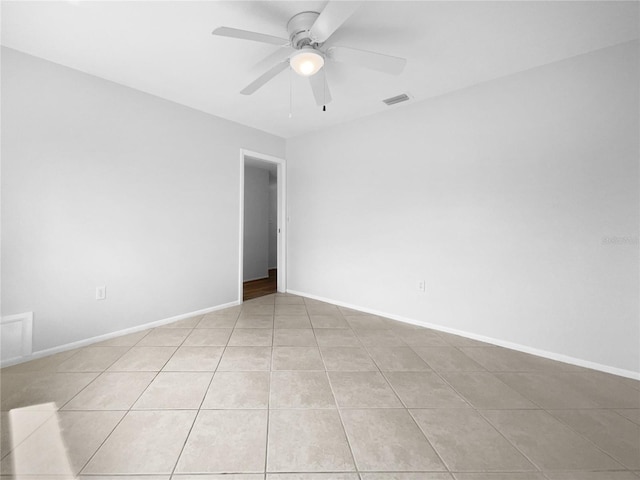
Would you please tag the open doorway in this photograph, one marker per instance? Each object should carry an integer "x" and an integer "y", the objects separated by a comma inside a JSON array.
[{"x": 262, "y": 237}]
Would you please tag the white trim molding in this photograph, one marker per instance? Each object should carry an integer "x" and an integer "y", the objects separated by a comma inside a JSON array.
[
  {"x": 281, "y": 224},
  {"x": 493, "y": 341},
  {"x": 108, "y": 336}
]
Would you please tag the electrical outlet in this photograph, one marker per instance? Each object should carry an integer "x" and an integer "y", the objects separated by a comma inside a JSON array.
[
  {"x": 422, "y": 286},
  {"x": 101, "y": 292}
]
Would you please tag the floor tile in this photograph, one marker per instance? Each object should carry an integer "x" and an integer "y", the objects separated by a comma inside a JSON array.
[
  {"x": 632, "y": 414},
  {"x": 300, "y": 389},
  {"x": 289, "y": 300},
  {"x": 297, "y": 358},
  {"x": 328, "y": 321},
  {"x": 312, "y": 476},
  {"x": 175, "y": 390},
  {"x": 194, "y": 359},
  {"x": 226, "y": 312},
  {"x": 379, "y": 338},
  {"x": 238, "y": 390},
  {"x": 92, "y": 359},
  {"x": 447, "y": 359},
  {"x": 610, "y": 391},
  {"x": 291, "y": 337},
  {"x": 226, "y": 441},
  {"x": 79, "y": 433},
  {"x": 208, "y": 337},
  {"x": 467, "y": 442},
  {"x": 459, "y": 341},
  {"x": 422, "y": 337},
  {"x": 112, "y": 391},
  {"x": 245, "y": 359},
  {"x": 251, "y": 337},
  {"x": 125, "y": 477},
  {"x": 351, "y": 312},
  {"x": 143, "y": 442},
  {"x": 559, "y": 390},
  {"x": 349, "y": 359},
  {"x": 367, "y": 321},
  {"x": 216, "y": 321},
  {"x": 388, "y": 440},
  {"x": 185, "y": 323},
  {"x": 498, "y": 359},
  {"x": 484, "y": 390},
  {"x": 406, "y": 476},
  {"x": 500, "y": 476},
  {"x": 45, "y": 364},
  {"x": 337, "y": 337},
  {"x": 547, "y": 442},
  {"x": 16, "y": 426},
  {"x": 394, "y": 359},
  {"x": 269, "y": 299},
  {"x": 25, "y": 389},
  {"x": 292, "y": 321},
  {"x": 128, "y": 340},
  {"x": 591, "y": 430},
  {"x": 222, "y": 476},
  {"x": 630, "y": 382},
  {"x": 590, "y": 476},
  {"x": 424, "y": 390},
  {"x": 255, "y": 321},
  {"x": 323, "y": 309},
  {"x": 362, "y": 390},
  {"x": 291, "y": 309},
  {"x": 307, "y": 441},
  {"x": 614, "y": 434},
  {"x": 257, "y": 309},
  {"x": 143, "y": 359},
  {"x": 164, "y": 337}
]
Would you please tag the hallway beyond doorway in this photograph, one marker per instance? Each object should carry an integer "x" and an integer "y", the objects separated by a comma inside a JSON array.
[{"x": 260, "y": 287}]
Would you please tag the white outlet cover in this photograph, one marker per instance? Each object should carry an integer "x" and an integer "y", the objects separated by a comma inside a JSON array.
[{"x": 101, "y": 293}]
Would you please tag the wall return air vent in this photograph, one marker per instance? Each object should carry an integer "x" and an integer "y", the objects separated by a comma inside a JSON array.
[{"x": 397, "y": 99}]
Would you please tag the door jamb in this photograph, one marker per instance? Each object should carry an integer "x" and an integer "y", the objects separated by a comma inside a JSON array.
[{"x": 281, "y": 222}]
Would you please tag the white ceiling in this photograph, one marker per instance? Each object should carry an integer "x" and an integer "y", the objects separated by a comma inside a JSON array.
[{"x": 166, "y": 48}]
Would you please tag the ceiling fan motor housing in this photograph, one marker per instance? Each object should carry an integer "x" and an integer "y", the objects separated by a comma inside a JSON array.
[{"x": 299, "y": 30}]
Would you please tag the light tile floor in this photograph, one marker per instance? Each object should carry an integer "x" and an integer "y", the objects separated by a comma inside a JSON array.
[{"x": 286, "y": 388}]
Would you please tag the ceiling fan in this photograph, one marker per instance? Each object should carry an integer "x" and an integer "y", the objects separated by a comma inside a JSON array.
[{"x": 305, "y": 52}]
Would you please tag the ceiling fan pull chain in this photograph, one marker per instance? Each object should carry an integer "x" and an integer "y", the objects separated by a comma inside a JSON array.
[
  {"x": 324, "y": 88},
  {"x": 290, "y": 94}
]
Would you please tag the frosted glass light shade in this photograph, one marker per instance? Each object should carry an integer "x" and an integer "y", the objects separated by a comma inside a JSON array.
[{"x": 306, "y": 62}]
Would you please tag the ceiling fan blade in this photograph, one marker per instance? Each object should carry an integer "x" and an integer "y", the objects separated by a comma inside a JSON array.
[
  {"x": 278, "y": 56},
  {"x": 320, "y": 88},
  {"x": 246, "y": 35},
  {"x": 372, "y": 60},
  {"x": 333, "y": 15},
  {"x": 264, "y": 78}
]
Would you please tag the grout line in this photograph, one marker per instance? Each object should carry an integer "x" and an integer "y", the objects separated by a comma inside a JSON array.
[
  {"x": 406, "y": 409},
  {"x": 344, "y": 430},
  {"x": 326, "y": 372},
  {"x": 206, "y": 391},
  {"x": 134, "y": 402}
]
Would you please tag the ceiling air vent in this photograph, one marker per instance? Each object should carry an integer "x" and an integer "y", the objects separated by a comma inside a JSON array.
[{"x": 397, "y": 99}]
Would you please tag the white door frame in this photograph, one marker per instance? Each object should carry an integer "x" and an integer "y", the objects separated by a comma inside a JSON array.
[{"x": 281, "y": 223}]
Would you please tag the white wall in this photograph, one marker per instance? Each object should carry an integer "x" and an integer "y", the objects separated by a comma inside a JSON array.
[
  {"x": 256, "y": 223},
  {"x": 500, "y": 196},
  {"x": 105, "y": 185},
  {"x": 273, "y": 221}
]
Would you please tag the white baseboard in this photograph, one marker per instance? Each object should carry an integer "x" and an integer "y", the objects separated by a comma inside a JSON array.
[
  {"x": 494, "y": 341},
  {"x": 108, "y": 336}
]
